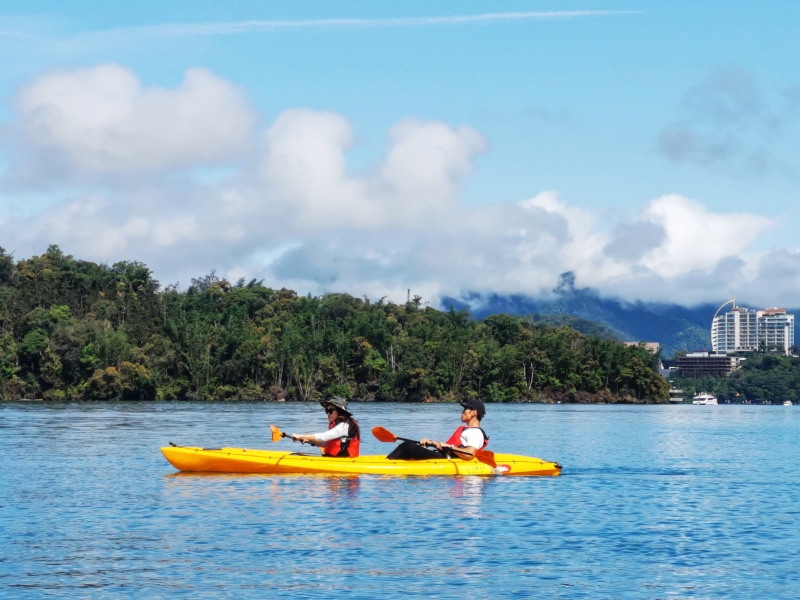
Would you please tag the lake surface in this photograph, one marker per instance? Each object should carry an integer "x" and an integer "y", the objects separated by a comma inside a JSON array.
[{"x": 653, "y": 502}]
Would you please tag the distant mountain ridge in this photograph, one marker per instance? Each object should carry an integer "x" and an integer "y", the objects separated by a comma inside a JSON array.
[{"x": 674, "y": 326}]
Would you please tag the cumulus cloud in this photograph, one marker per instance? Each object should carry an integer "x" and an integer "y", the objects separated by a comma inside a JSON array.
[
  {"x": 102, "y": 120},
  {"x": 678, "y": 250},
  {"x": 99, "y": 228},
  {"x": 634, "y": 239},
  {"x": 694, "y": 237},
  {"x": 305, "y": 165},
  {"x": 293, "y": 213}
]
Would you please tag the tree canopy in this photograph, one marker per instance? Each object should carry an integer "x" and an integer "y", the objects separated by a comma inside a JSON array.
[{"x": 72, "y": 329}]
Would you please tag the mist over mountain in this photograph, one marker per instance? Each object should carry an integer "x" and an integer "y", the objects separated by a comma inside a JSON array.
[{"x": 674, "y": 326}]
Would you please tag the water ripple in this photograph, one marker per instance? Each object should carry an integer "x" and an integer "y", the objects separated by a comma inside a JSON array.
[{"x": 654, "y": 502}]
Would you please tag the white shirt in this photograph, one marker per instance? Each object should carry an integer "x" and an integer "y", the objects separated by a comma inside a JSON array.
[
  {"x": 472, "y": 436},
  {"x": 341, "y": 431}
]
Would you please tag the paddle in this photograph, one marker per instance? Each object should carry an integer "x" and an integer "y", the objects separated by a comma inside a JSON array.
[
  {"x": 277, "y": 434},
  {"x": 484, "y": 456}
]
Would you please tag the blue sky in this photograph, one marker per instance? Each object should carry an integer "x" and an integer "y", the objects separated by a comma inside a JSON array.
[{"x": 609, "y": 105}]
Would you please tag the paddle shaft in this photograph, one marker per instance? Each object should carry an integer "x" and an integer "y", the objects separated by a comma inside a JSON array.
[
  {"x": 278, "y": 435},
  {"x": 407, "y": 440}
]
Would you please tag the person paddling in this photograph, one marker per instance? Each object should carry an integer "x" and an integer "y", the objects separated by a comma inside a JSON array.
[
  {"x": 343, "y": 437},
  {"x": 468, "y": 438}
]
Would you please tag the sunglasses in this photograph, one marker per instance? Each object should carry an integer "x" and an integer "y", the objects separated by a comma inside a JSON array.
[{"x": 330, "y": 410}]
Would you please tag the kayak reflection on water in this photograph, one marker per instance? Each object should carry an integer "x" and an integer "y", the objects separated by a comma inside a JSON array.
[
  {"x": 467, "y": 493},
  {"x": 469, "y": 438},
  {"x": 343, "y": 437},
  {"x": 343, "y": 488}
]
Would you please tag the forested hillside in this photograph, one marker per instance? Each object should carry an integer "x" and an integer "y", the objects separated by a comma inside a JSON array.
[
  {"x": 675, "y": 327},
  {"x": 73, "y": 329}
]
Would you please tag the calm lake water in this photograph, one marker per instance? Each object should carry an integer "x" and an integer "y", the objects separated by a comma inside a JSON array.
[{"x": 653, "y": 502}]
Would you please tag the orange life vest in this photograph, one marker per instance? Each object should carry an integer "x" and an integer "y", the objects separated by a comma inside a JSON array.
[
  {"x": 349, "y": 448},
  {"x": 455, "y": 439}
]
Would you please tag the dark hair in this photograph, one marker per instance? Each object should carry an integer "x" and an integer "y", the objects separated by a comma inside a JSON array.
[{"x": 346, "y": 417}]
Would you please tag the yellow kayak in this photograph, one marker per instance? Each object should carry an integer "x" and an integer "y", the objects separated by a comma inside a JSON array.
[{"x": 245, "y": 460}]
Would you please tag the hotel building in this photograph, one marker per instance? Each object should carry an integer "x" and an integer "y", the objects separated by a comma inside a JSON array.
[
  {"x": 697, "y": 364},
  {"x": 745, "y": 329}
]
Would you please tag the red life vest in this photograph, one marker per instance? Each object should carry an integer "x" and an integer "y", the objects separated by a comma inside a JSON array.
[
  {"x": 348, "y": 448},
  {"x": 455, "y": 439}
]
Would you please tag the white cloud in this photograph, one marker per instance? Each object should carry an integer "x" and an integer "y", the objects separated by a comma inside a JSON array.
[
  {"x": 305, "y": 166},
  {"x": 293, "y": 214},
  {"x": 697, "y": 238},
  {"x": 102, "y": 120},
  {"x": 583, "y": 247},
  {"x": 97, "y": 228},
  {"x": 676, "y": 250}
]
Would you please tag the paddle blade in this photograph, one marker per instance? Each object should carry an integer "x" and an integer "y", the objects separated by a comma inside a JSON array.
[
  {"x": 487, "y": 457},
  {"x": 276, "y": 433},
  {"x": 384, "y": 435}
]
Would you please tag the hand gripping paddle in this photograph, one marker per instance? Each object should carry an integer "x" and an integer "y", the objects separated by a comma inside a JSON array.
[{"x": 484, "y": 456}]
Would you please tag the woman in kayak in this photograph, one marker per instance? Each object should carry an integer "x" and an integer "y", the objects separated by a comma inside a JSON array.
[
  {"x": 343, "y": 437},
  {"x": 468, "y": 439}
]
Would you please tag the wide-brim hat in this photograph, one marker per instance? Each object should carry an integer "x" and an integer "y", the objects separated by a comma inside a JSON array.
[{"x": 338, "y": 402}]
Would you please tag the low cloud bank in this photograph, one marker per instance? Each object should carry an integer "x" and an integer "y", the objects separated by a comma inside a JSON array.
[{"x": 182, "y": 179}]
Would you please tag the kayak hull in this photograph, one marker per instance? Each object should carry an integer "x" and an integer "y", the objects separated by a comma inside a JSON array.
[{"x": 245, "y": 460}]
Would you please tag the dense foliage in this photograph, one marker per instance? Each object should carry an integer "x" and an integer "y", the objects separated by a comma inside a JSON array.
[
  {"x": 72, "y": 329},
  {"x": 763, "y": 378}
]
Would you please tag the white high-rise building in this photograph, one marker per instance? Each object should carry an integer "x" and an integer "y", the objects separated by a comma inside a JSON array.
[
  {"x": 776, "y": 329},
  {"x": 745, "y": 329}
]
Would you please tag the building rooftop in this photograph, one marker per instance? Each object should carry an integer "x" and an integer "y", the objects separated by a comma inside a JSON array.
[{"x": 652, "y": 346}]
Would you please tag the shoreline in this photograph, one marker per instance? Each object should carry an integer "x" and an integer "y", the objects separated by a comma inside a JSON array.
[{"x": 315, "y": 402}]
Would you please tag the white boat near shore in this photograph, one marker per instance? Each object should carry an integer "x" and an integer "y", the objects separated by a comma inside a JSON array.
[
  {"x": 704, "y": 400},
  {"x": 787, "y": 402}
]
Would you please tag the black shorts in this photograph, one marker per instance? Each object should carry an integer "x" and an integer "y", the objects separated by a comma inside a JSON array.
[{"x": 413, "y": 451}]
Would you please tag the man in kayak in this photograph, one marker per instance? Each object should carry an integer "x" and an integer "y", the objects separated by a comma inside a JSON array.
[
  {"x": 468, "y": 438},
  {"x": 343, "y": 437}
]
